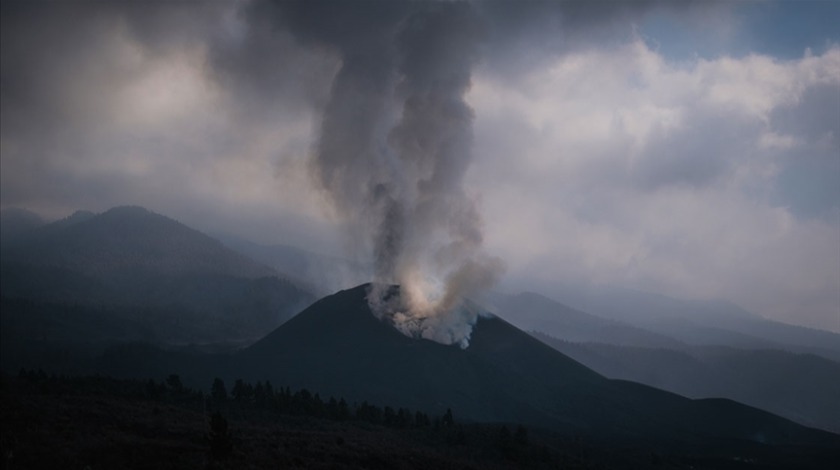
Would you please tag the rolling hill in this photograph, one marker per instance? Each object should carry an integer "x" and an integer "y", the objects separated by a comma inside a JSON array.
[
  {"x": 132, "y": 274},
  {"x": 15, "y": 222},
  {"x": 533, "y": 312},
  {"x": 694, "y": 322},
  {"x": 800, "y": 387},
  {"x": 320, "y": 273}
]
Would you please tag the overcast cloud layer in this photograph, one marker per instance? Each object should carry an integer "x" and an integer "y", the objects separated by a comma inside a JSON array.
[{"x": 678, "y": 149}]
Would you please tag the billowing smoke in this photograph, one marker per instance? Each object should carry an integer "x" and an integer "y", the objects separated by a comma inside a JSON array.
[{"x": 394, "y": 147}]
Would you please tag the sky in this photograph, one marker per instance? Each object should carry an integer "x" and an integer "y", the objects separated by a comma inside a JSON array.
[{"x": 690, "y": 149}]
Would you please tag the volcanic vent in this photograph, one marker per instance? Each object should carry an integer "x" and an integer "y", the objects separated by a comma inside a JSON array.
[{"x": 442, "y": 323}]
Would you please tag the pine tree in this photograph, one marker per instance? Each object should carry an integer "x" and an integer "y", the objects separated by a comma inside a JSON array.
[
  {"x": 218, "y": 392},
  {"x": 219, "y": 436},
  {"x": 174, "y": 383},
  {"x": 448, "y": 420},
  {"x": 259, "y": 395},
  {"x": 521, "y": 436}
]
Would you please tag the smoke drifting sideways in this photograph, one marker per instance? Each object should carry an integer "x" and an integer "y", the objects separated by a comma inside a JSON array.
[{"x": 395, "y": 144}]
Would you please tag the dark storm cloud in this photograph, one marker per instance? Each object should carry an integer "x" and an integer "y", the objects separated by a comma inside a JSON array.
[
  {"x": 76, "y": 76},
  {"x": 48, "y": 45},
  {"x": 44, "y": 41},
  {"x": 527, "y": 35},
  {"x": 264, "y": 64},
  {"x": 58, "y": 63}
]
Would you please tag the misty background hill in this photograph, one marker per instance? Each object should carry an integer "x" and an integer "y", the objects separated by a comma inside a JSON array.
[
  {"x": 132, "y": 274},
  {"x": 127, "y": 237},
  {"x": 534, "y": 312},
  {"x": 698, "y": 322},
  {"x": 775, "y": 371},
  {"x": 15, "y": 222},
  {"x": 800, "y": 387},
  {"x": 321, "y": 273}
]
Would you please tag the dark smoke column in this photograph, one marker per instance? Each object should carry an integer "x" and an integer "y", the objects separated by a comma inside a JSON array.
[{"x": 394, "y": 148}]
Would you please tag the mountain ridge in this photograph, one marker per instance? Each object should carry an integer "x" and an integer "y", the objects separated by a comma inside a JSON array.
[
  {"x": 800, "y": 387},
  {"x": 129, "y": 236},
  {"x": 692, "y": 322},
  {"x": 141, "y": 268}
]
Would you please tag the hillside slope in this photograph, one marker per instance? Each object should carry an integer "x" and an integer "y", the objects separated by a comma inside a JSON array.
[
  {"x": 142, "y": 267},
  {"x": 337, "y": 346}
]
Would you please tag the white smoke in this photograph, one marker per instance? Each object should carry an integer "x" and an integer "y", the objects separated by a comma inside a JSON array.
[
  {"x": 447, "y": 319},
  {"x": 394, "y": 147}
]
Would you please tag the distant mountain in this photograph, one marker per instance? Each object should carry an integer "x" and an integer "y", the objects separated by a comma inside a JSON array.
[
  {"x": 534, "y": 312},
  {"x": 760, "y": 372},
  {"x": 336, "y": 346},
  {"x": 129, "y": 237},
  {"x": 15, "y": 222},
  {"x": 801, "y": 387},
  {"x": 73, "y": 219},
  {"x": 696, "y": 322},
  {"x": 321, "y": 273},
  {"x": 179, "y": 284}
]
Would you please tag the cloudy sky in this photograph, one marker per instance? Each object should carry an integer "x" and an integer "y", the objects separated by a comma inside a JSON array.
[{"x": 689, "y": 149}]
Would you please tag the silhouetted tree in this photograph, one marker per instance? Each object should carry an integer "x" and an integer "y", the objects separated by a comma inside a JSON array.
[
  {"x": 447, "y": 419},
  {"x": 332, "y": 408},
  {"x": 153, "y": 391},
  {"x": 242, "y": 391},
  {"x": 389, "y": 416},
  {"x": 403, "y": 418},
  {"x": 174, "y": 383},
  {"x": 421, "y": 419},
  {"x": 343, "y": 410},
  {"x": 219, "y": 437},
  {"x": 218, "y": 391},
  {"x": 520, "y": 437},
  {"x": 317, "y": 407},
  {"x": 369, "y": 413},
  {"x": 260, "y": 397},
  {"x": 503, "y": 439}
]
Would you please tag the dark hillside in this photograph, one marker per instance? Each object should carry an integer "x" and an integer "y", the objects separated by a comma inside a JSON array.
[
  {"x": 168, "y": 282},
  {"x": 337, "y": 346},
  {"x": 99, "y": 422},
  {"x": 129, "y": 237},
  {"x": 15, "y": 223},
  {"x": 800, "y": 387}
]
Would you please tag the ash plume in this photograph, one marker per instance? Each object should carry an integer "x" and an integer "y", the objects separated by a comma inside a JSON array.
[{"x": 395, "y": 145}]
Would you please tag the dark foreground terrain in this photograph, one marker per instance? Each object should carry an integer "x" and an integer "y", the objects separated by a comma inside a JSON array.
[{"x": 98, "y": 423}]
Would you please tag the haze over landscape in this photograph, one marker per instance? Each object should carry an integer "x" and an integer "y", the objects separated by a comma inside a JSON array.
[
  {"x": 611, "y": 226},
  {"x": 681, "y": 148}
]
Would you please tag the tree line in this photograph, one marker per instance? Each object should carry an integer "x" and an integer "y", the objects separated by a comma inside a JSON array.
[
  {"x": 242, "y": 396},
  {"x": 263, "y": 401}
]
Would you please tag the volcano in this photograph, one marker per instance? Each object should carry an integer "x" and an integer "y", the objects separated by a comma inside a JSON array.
[{"x": 338, "y": 347}]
